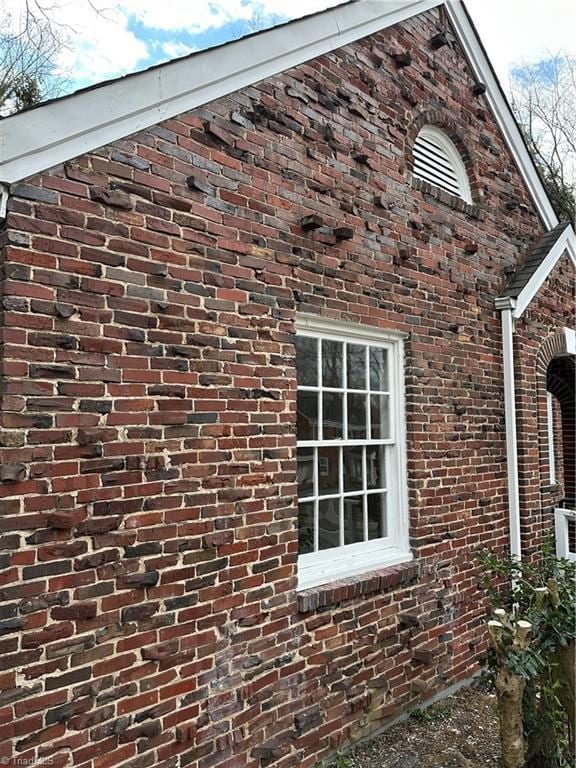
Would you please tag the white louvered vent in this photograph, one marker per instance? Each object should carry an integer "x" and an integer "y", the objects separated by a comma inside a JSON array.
[{"x": 437, "y": 161}]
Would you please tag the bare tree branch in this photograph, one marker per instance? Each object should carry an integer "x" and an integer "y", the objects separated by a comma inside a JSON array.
[
  {"x": 543, "y": 100},
  {"x": 30, "y": 44}
]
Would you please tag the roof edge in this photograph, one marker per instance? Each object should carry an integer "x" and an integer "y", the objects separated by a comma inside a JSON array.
[
  {"x": 38, "y": 139},
  {"x": 566, "y": 242},
  {"x": 484, "y": 73},
  {"x": 35, "y": 140}
]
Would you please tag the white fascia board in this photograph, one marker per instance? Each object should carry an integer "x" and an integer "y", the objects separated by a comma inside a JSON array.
[
  {"x": 3, "y": 201},
  {"x": 565, "y": 242},
  {"x": 41, "y": 138},
  {"x": 501, "y": 109}
]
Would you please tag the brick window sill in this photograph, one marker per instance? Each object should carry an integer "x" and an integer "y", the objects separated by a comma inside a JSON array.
[
  {"x": 353, "y": 587},
  {"x": 551, "y": 488},
  {"x": 445, "y": 197}
]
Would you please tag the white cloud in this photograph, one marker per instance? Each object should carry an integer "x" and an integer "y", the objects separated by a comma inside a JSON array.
[
  {"x": 182, "y": 15},
  {"x": 98, "y": 44},
  {"x": 173, "y": 50},
  {"x": 516, "y": 30},
  {"x": 103, "y": 45},
  {"x": 206, "y": 14}
]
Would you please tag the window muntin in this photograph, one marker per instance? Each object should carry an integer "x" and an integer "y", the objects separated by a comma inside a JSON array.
[
  {"x": 437, "y": 161},
  {"x": 350, "y": 457}
]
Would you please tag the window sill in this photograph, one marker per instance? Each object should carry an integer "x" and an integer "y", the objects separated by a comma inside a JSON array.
[
  {"x": 551, "y": 488},
  {"x": 353, "y": 587},
  {"x": 457, "y": 203}
]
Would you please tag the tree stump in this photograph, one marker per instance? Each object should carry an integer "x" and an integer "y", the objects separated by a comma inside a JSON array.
[{"x": 505, "y": 636}]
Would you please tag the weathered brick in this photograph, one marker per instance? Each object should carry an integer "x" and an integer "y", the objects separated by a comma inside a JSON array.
[
  {"x": 139, "y": 612},
  {"x": 80, "y": 611},
  {"x": 160, "y": 651},
  {"x": 149, "y": 296},
  {"x": 65, "y": 681},
  {"x": 12, "y": 473},
  {"x": 138, "y": 580}
]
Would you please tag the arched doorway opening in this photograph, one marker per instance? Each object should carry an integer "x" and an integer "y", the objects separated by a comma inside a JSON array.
[{"x": 561, "y": 410}]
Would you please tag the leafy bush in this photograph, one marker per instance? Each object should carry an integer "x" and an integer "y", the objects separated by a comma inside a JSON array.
[{"x": 542, "y": 593}]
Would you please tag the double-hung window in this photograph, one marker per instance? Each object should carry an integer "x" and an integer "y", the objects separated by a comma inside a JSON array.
[{"x": 352, "y": 499}]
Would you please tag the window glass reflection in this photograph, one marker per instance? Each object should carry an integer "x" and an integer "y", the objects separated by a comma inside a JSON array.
[{"x": 307, "y": 361}]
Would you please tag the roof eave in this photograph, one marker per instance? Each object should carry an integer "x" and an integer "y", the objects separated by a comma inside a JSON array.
[
  {"x": 565, "y": 243},
  {"x": 33, "y": 141},
  {"x": 480, "y": 64},
  {"x": 38, "y": 139}
]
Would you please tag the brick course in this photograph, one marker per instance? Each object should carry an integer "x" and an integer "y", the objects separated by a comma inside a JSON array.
[{"x": 147, "y": 503}]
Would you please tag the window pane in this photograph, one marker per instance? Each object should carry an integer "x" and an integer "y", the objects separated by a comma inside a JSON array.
[
  {"x": 375, "y": 467},
  {"x": 377, "y": 515},
  {"x": 356, "y": 417},
  {"x": 378, "y": 369},
  {"x": 332, "y": 416},
  {"x": 305, "y": 468},
  {"x": 353, "y": 479},
  {"x": 356, "y": 366},
  {"x": 331, "y": 363},
  {"x": 379, "y": 417},
  {"x": 328, "y": 471},
  {"x": 328, "y": 523},
  {"x": 306, "y": 361},
  {"x": 306, "y": 528},
  {"x": 307, "y": 415},
  {"x": 353, "y": 519}
]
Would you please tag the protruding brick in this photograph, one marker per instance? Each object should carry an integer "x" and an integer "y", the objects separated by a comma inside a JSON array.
[
  {"x": 139, "y": 580},
  {"x": 115, "y": 198},
  {"x": 311, "y": 222},
  {"x": 161, "y": 651}
]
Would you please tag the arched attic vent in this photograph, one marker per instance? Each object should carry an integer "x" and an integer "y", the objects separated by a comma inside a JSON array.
[{"x": 437, "y": 161}]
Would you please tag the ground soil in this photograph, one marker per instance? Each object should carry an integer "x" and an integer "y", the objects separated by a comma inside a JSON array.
[{"x": 459, "y": 732}]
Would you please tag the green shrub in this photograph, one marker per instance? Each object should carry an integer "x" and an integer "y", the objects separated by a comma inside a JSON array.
[{"x": 543, "y": 593}]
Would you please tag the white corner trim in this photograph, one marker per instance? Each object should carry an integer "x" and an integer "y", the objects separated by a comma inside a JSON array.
[
  {"x": 511, "y": 441},
  {"x": 570, "y": 336},
  {"x": 40, "y": 138},
  {"x": 484, "y": 74},
  {"x": 564, "y": 243},
  {"x": 3, "y": 201}
]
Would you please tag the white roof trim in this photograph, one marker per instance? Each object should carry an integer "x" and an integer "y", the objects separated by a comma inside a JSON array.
[
  {"x": 37, "y": 139},
  {"x": 566, "y": 242},
  {"x": 40, "y": 138},
  {"x": 501, "y": 109}
]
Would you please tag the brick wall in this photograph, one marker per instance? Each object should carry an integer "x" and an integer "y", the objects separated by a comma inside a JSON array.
[
  {"x": 148, "y": 542},
  {"x": 539, "y": 339}
]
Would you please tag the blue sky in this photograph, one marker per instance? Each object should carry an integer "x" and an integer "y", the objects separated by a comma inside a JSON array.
[{"x": 129, "y": 35}]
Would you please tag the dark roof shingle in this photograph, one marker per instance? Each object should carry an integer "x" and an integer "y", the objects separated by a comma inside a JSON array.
[{"x": 536, "y": 257}]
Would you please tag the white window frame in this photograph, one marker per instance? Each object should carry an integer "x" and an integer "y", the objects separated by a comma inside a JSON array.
[
  {"x": 435, "y": 135},
  {"x": 551, "y": 446},
  {"x": 319, "y": 567}
]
